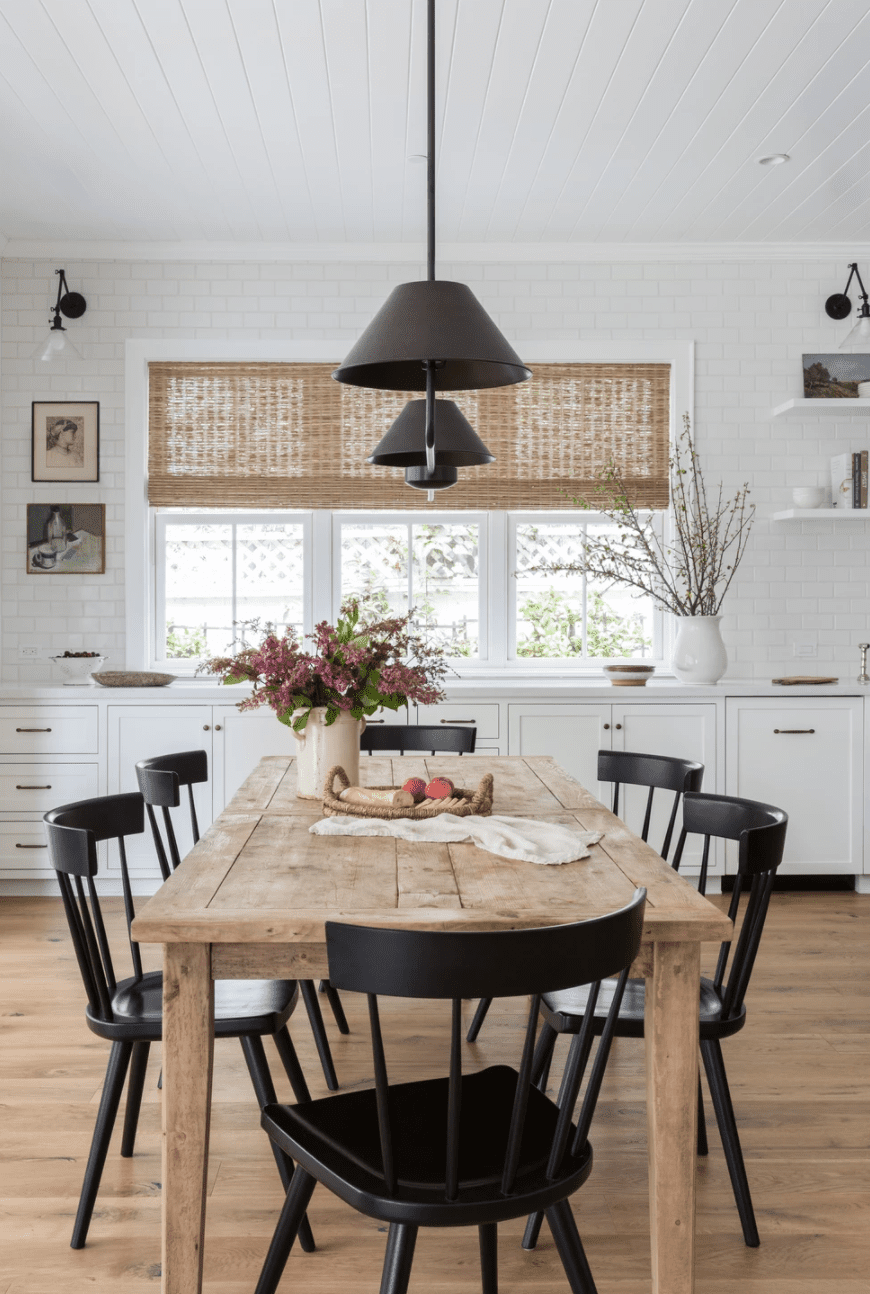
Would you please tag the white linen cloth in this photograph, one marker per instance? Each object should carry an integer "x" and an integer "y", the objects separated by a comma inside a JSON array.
[{"x": 523, "y": 838}]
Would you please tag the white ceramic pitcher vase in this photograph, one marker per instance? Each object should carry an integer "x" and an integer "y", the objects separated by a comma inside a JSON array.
[
  {"x": 699, "y": 652},
  {"x": 319, "y": 748}
]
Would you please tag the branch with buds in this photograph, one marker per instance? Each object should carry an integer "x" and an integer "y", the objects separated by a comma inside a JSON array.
[{"x": 688, "y": 575}]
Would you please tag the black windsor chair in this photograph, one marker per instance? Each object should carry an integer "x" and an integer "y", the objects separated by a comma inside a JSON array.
[
  {"x": 160, "y": 781},
  {"x": 760, "y": 830},
  {"x": 129, "y": 1012},
  {"x": 623, "y": 768},
  {"x": 446, "y": 739},
  {"x": 468, "y": 1149}
]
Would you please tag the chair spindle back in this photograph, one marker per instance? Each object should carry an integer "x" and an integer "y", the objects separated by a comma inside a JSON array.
[
  {"x": 160, "y": 781},
  {"x": 658, "y": 772}
]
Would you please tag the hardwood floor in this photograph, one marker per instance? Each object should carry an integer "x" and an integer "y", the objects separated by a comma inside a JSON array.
[{"x": 799, "y": 1075}]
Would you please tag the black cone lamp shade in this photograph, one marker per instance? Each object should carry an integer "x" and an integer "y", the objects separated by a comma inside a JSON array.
[
  {"x": 404, "y": 445},
  {"x": 438, "y": 320}
]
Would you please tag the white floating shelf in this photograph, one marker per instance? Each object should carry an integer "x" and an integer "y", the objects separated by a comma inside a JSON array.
[
  {"x": 802, "y": 405},
  {"x": 822, "y": 514}
]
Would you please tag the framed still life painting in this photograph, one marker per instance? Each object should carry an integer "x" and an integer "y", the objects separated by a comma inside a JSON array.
[
  {"x": 65, "y": 444},
  {"x": 66, "y": 538}
]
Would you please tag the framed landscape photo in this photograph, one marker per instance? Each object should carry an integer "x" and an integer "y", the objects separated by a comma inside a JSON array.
[
  {"x": 66, "y": 538},
  {"x": 835, "y": 377},
  {"x": 65, "y": 441}
]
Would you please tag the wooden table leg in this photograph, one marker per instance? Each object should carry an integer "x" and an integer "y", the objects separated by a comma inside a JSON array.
[
  {"x": 188, "y": 1047},
  {"x": 671, "y": 1042}
]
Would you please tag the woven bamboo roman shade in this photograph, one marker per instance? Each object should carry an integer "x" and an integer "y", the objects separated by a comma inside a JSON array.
[{"x": 265, "y": 435}]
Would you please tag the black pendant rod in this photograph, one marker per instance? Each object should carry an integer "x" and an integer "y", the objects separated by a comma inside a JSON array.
[
  {"x": 430, "y": 223},
  {"x": 430, "y": 155}
]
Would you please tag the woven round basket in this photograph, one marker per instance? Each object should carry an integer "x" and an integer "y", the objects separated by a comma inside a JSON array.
[{"x": 479, "y": 801}]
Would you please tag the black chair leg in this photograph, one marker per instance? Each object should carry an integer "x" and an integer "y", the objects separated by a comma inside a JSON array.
[
  {"x": 292, "y": 1068},
  {"x": 289, "y": 1223},
  {"x": 135, "y": 1085},
  {"x": 721, "y": 1096},
  {"x": 264, "y": 1088},
  {"x": 398, "y": 1259},
  {"x": 335, "y": 1002},
  {"x": 479, "y": 1016},
  {"x": 312, "y": 1006},
  {"x": 570, "y": 1248},
  {"x": 533, "y": 1230},
  {"x": 116, "y": 1072},
  {"x": 703, "y": 1148},
  {"x": 488, "y": 1232}
]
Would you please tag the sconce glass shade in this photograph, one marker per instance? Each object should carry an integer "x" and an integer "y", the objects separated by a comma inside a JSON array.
[
  {"x": 56, "y": 348},
  {"x": 457, "y": 444},
  {"x": 432, "y": 320},
  {"x": 859, "y": 337}
]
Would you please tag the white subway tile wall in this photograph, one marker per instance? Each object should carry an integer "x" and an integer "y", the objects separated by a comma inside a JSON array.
[{"x": 800, "y": 582}]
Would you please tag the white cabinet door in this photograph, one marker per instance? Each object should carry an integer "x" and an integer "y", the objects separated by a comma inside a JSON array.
[
  {"x": 684, "y": 731},
  {"x": 241, "y": 739},
  {"x": 571, "y": 734},
  {"x": 468, "y": 714},
  {"x": 805, "y": 757},
  {"x": 140, "y": 732}
]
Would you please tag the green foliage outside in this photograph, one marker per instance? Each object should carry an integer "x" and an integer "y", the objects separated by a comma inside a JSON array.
[
  {"x": 556, "y": 623},
  {"x": 185, "y": 644}
]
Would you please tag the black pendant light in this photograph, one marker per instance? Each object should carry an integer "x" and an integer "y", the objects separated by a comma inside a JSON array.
[{"x": 431, "y": 336}]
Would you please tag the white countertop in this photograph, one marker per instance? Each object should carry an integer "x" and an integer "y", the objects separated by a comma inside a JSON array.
[{"x": 510, "y": 687}]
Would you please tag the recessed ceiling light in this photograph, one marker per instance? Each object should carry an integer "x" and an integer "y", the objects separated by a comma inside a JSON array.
[{"x": 775, "y": 159}]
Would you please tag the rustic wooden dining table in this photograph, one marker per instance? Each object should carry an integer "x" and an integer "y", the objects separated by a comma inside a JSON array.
[{"x": 252, "y": 899}]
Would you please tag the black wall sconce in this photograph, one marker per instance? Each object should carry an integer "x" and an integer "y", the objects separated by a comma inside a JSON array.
[
  {"x": 839, "y": 306},
  {"x": 57, "y": 345}
]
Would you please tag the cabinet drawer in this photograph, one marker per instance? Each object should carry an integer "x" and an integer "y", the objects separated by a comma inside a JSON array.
[
  {"x": 466, "y": 713},
  {"x": 49, "y": 730},
  {"x": 23, "y": 848},
  {"x": 36, "y": 788}
]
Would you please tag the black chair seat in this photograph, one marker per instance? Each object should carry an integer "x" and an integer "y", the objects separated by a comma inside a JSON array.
[
  {"x": 344, "y": 1130},
  {"x": 241, "y": 1006},
  {"x": 564, "y": 1011}
]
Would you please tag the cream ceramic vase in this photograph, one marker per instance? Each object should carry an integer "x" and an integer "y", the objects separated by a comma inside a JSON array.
[
  {"x": 699, "y": 652},
  {"x": 319, "y": 748}
]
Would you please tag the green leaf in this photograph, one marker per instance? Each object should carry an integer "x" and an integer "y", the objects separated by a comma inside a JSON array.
[
  {"x": 332, "y": 713},
  {"x": 234, "y": 678}
]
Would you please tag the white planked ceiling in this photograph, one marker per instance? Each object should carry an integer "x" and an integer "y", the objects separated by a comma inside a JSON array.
[{"x": 559, "y": 121}]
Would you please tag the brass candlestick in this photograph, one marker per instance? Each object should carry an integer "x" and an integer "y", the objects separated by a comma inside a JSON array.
[{"x": 864, "y": 677}]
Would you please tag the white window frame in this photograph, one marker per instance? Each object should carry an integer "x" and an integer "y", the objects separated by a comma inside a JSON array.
[
  {"x": 569, "y": 664},
  {"x": 480, "y": 519},
  {"x": 140, "y": 523},
  {"x": 232, "y": 517}
]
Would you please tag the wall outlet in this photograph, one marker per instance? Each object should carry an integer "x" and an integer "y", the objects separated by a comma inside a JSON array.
[
  {"x": 31, "y": 652},
  {"x": 806, "y": 651}
]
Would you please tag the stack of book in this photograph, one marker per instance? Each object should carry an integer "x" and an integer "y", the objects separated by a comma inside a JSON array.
[{"x": 849, "y": 480}]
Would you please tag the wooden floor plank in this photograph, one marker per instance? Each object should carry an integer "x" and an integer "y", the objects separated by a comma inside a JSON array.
[{"x": 798, "y": 1072}]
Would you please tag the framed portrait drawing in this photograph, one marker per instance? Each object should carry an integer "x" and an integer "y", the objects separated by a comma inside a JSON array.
[
  {"x": 65, "y": 441},
  {"x": 66, "y": 538}
]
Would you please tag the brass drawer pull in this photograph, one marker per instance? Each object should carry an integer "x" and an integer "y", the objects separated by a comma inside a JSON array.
[
  {"x": 457, "y": 721},
  {"x": 33, "y": 788},
  {"x": 791, "y": 732},
  {"x": 19, "y": 846},
  {"x": 33, "y": 729}
]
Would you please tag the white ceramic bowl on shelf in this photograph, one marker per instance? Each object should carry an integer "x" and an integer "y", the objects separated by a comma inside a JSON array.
[
  {"x": 808, "y": 496},
  {"x": 78, "y": 669}
]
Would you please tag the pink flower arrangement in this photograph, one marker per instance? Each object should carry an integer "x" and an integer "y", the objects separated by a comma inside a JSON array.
[{"x": 358, "y": 665}]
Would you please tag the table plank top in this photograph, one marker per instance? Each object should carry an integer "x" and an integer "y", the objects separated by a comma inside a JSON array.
[{"x": 259, "y": 877}]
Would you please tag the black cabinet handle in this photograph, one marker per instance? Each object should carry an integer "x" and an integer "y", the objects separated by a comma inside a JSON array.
[
  {"x": 457, "y": 721},
  {"x": 33, "y": 729},
  {"x": 20, "y": 846},
  {"x": 33, "y": 788},
  {"x": 371, "y": 721},
  {"x": 793, "y": 732}
]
